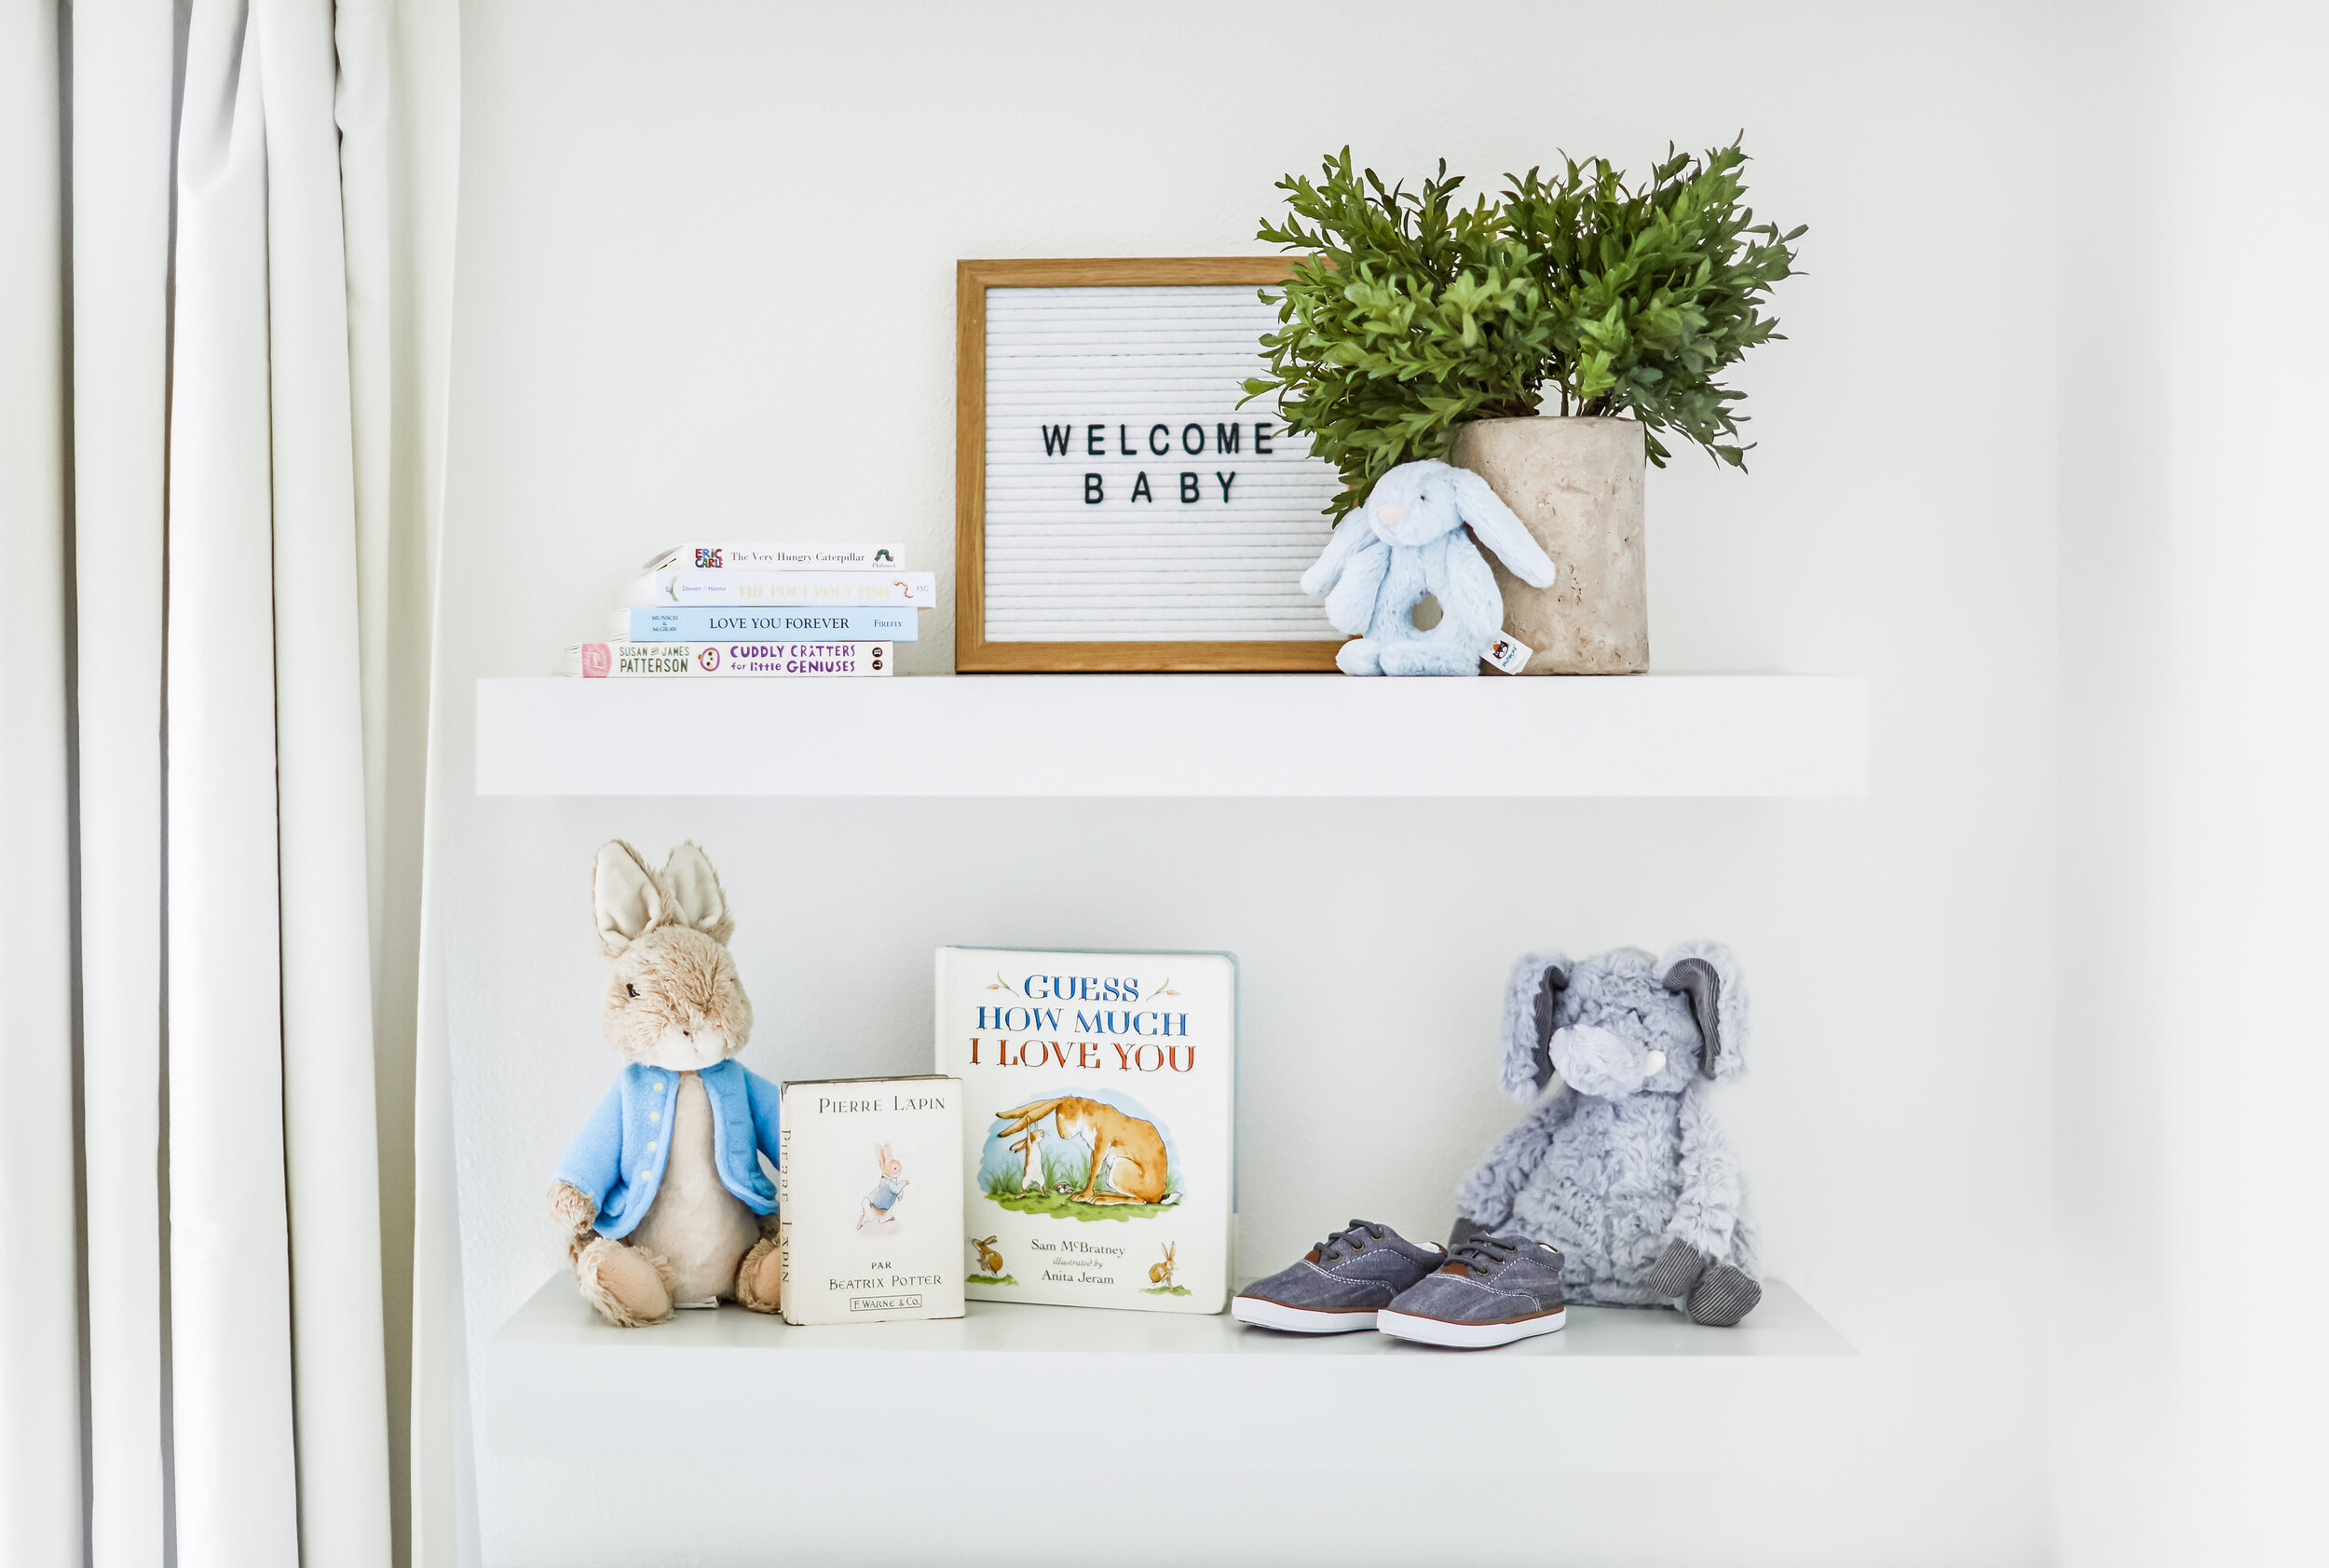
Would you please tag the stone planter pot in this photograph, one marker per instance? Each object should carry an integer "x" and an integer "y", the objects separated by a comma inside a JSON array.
[{"x": 1577, "y": 484}]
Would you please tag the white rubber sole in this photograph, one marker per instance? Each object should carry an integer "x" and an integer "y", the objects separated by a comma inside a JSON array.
[
  {"x": 1298, "y": 1320},
  {"x": 1467, "y": 1336}
]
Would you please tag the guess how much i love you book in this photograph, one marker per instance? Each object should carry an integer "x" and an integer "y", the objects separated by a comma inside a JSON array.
[
  {"x": 869, "y": 1194},
  {"x": 1098, "y": 1090}
]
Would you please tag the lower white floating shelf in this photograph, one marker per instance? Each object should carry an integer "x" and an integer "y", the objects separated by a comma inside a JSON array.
[
  {"x": 1235, "y": 736},
  {"x": 1616, "y": 1391}
]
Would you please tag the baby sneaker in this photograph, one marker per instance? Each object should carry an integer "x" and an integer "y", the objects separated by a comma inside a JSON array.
[
  {"x": 1491, "y": 1290},
  {"x": 1337, "y": 1287}
]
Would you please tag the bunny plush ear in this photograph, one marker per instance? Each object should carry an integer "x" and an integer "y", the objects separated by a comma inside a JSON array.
[
  {"x": 1496, "y": 526},
  {"x": 694, "y": 891},
  {"x": 625, "y": 896},
  {"x": 1531, "y": 1003},
  {"x": 1706, "y": 973}
]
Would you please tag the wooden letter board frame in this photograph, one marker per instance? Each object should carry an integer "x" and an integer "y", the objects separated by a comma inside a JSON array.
[{"x": 973, "y": 653}]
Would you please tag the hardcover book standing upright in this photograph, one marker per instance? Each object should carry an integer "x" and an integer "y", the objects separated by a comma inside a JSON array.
[
  {"x": 869, "y": 1194},
  {"x": 1098, "y": 1094}
]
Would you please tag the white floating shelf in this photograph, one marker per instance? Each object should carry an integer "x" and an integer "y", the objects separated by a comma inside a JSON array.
[
  {"x": 1240, "y": 736},
  {"x": 1616, "y": 1391}
]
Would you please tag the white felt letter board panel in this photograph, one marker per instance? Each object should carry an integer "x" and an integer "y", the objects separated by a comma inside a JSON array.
[{"x": 1117, "y": 507}]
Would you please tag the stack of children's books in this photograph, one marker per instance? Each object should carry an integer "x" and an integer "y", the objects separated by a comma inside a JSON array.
[{"x": 761, "y": 610}]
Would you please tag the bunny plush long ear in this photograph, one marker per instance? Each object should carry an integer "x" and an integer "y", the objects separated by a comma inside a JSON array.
[
  {"x": 1496, "y": 527},
  {"x": 694, "y": 890},
  {"x": 1349, "y": 534},
  {"x": 1531, "y": 1003},
  {"x": 1706, "y": 973},
  {"x": 625, "y": 897}
]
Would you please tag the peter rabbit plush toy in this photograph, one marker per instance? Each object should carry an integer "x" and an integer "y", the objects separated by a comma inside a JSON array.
[
  {"x": 1624, "y": 1167},
  {"x": 1408, "y": 540},
  {"x": 663, "y": 1192}
]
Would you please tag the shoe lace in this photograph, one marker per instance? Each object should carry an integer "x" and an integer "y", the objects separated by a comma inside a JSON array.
[
  {"x": 1350, "y": 1239},
  {"x": 1484, "y": 1254}
]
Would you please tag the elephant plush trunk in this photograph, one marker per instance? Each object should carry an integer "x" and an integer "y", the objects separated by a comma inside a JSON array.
[{"x": 1593, "y": 1062}]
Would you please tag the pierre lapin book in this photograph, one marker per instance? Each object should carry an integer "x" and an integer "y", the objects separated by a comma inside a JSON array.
[
  {"x": 627, "y": 661},
  {"x": 870, "y": 1199},
  {"x": 776, "y": 558},
  {"x": 813, "y": 590},
  {"x": 1098, "y": 1091},
  {"x": 713, "y": 623}
]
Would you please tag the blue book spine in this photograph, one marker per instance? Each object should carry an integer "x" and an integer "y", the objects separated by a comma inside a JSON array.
[{"x": 712, "y": 624}]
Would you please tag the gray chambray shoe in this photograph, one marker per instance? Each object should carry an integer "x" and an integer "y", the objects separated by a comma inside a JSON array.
[
  {"x": 1337, "y": 1287},
  {"x": 1493, "y": 1290}
]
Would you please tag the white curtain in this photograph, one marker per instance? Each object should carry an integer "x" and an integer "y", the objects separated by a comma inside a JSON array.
[{"x": 225, "y": 287}]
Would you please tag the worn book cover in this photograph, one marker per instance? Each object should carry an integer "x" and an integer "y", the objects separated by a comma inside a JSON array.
[
  {"x": 1098, "y": 1094},
  {"x": 869, "y": 1196},
  {"x": 628, "y": 661}
]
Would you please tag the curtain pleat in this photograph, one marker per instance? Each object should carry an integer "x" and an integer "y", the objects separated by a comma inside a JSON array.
[
  {"x": 123, "y": 77},
  {"x": 40, "y": 1395},
  {"x": 236, "y": 1496},
  {"x": 330, "y": 1123}
]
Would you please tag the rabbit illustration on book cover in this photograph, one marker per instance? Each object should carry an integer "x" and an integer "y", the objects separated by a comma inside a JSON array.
[{"x": 881, "y": 1203}]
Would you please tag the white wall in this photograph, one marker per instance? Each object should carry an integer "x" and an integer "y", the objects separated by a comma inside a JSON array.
[
  {"x": 705, "y": 286},
  {"x": 2194, "y": 1057}
]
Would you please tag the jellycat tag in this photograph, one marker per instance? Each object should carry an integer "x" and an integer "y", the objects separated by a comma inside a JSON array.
[{"x": 1506, "y": 652}]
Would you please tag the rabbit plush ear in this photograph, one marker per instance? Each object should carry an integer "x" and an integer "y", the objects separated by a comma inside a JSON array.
[
  {"x": 1351, "y": 535},
  {"x": 694, "y": 890},
  {"x": 624, "y": 895},
  {"x": 1706, "y": 973},
  {"x": 1532, "y": 1002},
  {"x": 1496, "y": 526}
]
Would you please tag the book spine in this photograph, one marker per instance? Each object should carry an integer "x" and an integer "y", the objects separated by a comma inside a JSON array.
[
  {"x": 784, "y": 1216},
  {"x": 784, "y": 590},
  {"x": 779, "y": 557},
  {"x": 628, "y": 661},
  {"x": 707, "y": 625}
]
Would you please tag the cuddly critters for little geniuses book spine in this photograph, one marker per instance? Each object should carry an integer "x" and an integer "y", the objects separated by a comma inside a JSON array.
[
  {"x": 627, "y": 661},
  {"x": 1098, "y": 1094},
  {"x": 776, "y": 558},
  {"x": 712, "y": 624},
  {"x": 869, "y": 1195}
]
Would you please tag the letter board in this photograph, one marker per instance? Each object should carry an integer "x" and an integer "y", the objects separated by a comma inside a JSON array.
[{"x": 1117, "y": 507}]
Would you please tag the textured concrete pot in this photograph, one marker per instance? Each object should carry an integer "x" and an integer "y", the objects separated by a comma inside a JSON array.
[{"x": 1577, "y": 484}]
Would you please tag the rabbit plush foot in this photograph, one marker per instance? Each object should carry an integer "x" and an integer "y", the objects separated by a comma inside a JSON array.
[
  {"x": 760, "y": 1277},
  {"x": 1723, "y": 1296},
  {"x": 1361, "y": 657},
  {"x": 627, "y": 1287}
]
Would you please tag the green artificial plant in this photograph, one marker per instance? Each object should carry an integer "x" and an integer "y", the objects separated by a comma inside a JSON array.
[{"x": 1409, "y": 313}]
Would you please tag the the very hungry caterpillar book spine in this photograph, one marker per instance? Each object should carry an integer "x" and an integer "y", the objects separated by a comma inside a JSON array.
[
  {"x": 1098, "y": 1099},
  {"x": 869, "y": 1196}
]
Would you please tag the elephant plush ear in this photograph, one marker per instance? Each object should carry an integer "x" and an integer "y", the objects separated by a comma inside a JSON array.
[
  {"x": 1532, "y": 1000},
  {"x": 1710, "y": 976}
]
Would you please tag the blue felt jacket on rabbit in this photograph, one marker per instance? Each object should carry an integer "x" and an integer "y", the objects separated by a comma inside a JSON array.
[{"x": 618, "y": 1158}]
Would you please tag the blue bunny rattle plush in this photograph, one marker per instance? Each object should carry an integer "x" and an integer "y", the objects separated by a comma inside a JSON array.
[{"x": 1407, "y": 541}]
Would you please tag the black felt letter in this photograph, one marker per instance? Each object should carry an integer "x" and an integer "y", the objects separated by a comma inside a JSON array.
[
  {"x": 1140, "y": 488},
  {"x": 1189, "y": 489},
  {"x": 1094, "y": 493}
]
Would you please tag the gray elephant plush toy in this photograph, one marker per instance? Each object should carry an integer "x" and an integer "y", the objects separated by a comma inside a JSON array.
[{"x": 1624, "y": 1167}]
